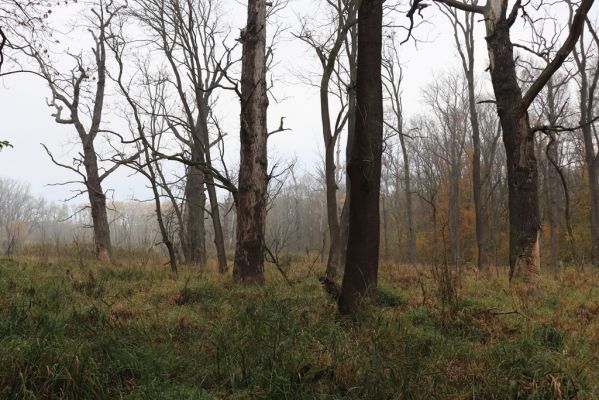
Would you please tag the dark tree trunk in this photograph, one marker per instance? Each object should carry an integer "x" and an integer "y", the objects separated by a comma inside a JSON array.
[
  {"x": 364, "y": 166},
  {"x": 518, "y": 139},
  {"x": 253, "y": 176},
  {"x": 195, "y": 198},
  {"x": 97, "y": 201}
]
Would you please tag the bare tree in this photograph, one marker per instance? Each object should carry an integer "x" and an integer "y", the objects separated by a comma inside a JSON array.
[
  {"x": 463, "y": 32},
  {"x": 81, "y": 91},
  {"x": 587, "y": 77},
  {"x": 518, "y": 137},
  {"x": 448, "y": 99},
  {"x": 189, "y": 35},
  {"x": 253, "y": 172},
  {"x": 364, "y": 166},
  {"x": 392, "y": 80},
  {"x": 328, "y": 52}
]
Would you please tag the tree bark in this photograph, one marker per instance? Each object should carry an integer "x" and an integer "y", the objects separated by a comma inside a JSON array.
[
  {"x": 364, "y": 167},
  {"x": 253, "y": 176},
  {"x": 219, "y": 239},
  {"x": 408, "y": 195},
  {"x": 351, "y": 48},
  {"x": 477, "y": 185},
  {"x": 518, "y": 139},
  {"x": 195, "y": 198},
  {"x": 453, "y": 212},
  {"x": 97, "y": 201}
]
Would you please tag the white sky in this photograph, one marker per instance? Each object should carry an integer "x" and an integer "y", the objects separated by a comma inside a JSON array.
[{"x": 25, "y": 119}]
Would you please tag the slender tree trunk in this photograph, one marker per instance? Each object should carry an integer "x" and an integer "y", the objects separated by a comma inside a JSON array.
[
  {"x": 172, "y": 257},
  {"x": 253, "y": 176},
  {"x": 364, "y": 167},
  {"x": 97, "y": 201},
  {"x": 454, "y": 212},
  {"x": 219, "y": 240},
  {"x": 408, "y": 195},
  {"x": 518, "y": 139},
  {"x": 593, "y": 178},
  {"x": 592, "y": 165},
  {"x": 332, "y": 217},
  {"x": 476, "y": 176},
  {"x": 385, "y": 223},
  {"x": 551, "y": 182},
  {"x": 351, "y": 48}
]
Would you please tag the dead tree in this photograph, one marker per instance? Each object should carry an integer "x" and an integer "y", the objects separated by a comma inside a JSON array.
[
  {"x": 194, "y": 44},
  {"x": 518, "y": 137},
  {"x": 81, "y": 93},
  {"x": 253, "y": 164},
  {"x": 364, "y": 166}
]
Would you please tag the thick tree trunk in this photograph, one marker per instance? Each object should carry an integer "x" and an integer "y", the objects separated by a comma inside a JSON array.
[
  {"x": 97, "y": 201},
  {"x": 195, "y": 198},
  {"x": 253, "y": 176},
  {"x": 518, "y": 139},
  {"x": 364, "y": 167}
]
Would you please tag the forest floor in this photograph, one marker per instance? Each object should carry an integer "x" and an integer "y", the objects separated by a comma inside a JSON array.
[{"x": 70, "y": 329}]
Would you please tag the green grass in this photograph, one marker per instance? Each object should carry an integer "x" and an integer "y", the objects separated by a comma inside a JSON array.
[{"x": 119, "y": 332}]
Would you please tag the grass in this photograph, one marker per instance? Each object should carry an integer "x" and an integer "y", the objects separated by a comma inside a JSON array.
[{"x": 136, "y": 332}]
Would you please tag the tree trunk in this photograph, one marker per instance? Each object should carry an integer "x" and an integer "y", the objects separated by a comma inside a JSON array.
[
  {"x": 97, "y": 201},
  {"x": 454, "y": 211},
  {"x": 219, "y": 239},
  {"x": 518, "y": 139},
  {"x": 351, "y": 48},
  {"x": 408, "y": 194},
  {"x": 332, "y": 217},
  {"x": 476, "y": 176},
  {"x": 253, "y": 176},
  {"x": 591, "y": 162},
  {"x": 195, "y": 198},
  {"x": 551, "y": 182},
  {"x": 170, "y": 248},
  {"x": 364, "y": 167}
]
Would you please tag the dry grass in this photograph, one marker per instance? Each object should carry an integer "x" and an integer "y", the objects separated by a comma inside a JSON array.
[{"x": 134, "y": 331}]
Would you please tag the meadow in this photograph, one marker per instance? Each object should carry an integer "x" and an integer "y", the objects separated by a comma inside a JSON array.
[{"x": 74, "y": 329}]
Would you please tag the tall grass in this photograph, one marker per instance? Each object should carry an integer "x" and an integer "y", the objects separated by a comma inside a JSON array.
[{"x": 98, "y": 332}]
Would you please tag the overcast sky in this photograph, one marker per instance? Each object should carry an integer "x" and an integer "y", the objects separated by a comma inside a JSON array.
[{"x": 25, "y": 119}]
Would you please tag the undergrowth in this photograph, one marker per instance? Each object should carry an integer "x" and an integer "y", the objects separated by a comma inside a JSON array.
[{"x": 70, "y": 331}]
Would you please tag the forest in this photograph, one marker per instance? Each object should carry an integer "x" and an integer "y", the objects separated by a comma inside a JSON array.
[{"x": 299, "y": 199}]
